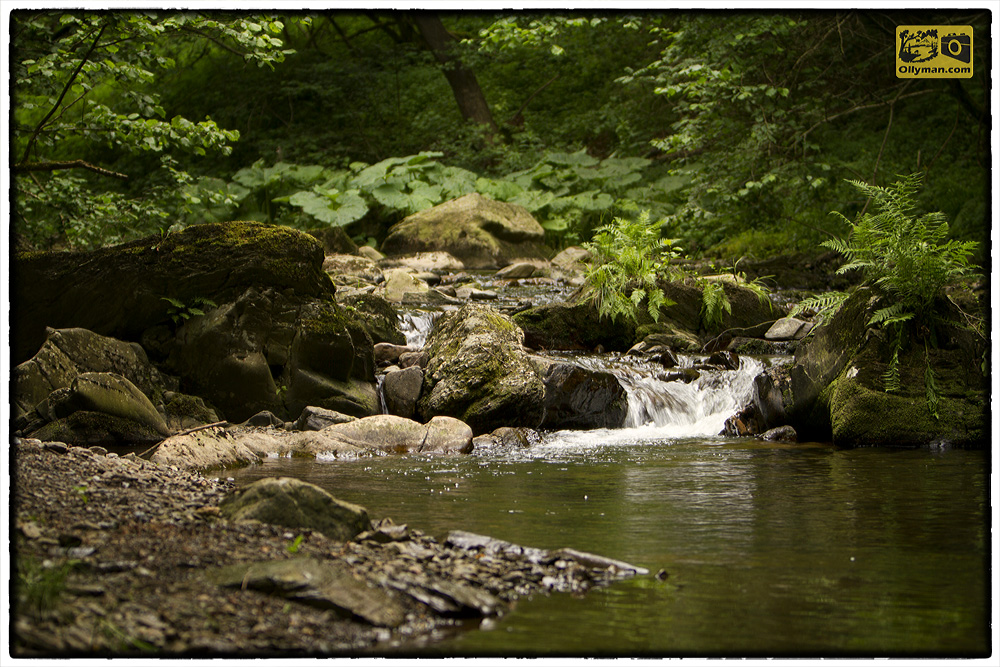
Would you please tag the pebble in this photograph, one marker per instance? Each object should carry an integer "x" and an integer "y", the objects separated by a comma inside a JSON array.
[{"x": 138, "y": 531}]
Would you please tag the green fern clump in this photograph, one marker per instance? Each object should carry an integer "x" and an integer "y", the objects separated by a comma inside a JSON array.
[
  {"x": 629, "y": 259},
  {"x": 905, "y": 256},
  {"x": 909, "y": 259}
]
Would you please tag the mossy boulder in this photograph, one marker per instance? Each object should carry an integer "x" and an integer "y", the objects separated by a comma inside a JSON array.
[
  {"x": 276, "y": 351},
  {"x": 578, "y": 325},
  {"x": 68, "y": 352},
  {"x": 479, "y": 373},
  {"x": 573, "y": 326},
  {"x": 120, "y": 291},
  {"x": 838, "y": 385},
  {"x": 479, "y": 232},
  {"x": 106, "y": 393},
  {"x": 747, "y": 309},
  {"x": 84, "y": 428},
  {"x": 378, "y": 317},
  {"x": 298, "y": 505}
]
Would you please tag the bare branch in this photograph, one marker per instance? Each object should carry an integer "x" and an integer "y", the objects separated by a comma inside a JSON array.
[{"x": 70, "y": 164}]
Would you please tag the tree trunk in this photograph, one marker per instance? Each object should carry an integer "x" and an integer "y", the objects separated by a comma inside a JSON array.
[{"x": 471, "y": 101}]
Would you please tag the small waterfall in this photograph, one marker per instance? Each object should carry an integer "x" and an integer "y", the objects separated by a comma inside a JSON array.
[
  {"x": 699, "y": 407},
  {"x": 417, "y": 326},
  {"x": 661, "y": 407}
]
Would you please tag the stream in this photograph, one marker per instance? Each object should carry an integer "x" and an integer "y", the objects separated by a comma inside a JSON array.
[{"x": 767, "y": 549}]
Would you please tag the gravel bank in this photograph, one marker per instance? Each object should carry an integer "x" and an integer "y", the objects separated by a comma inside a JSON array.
[{"x": 117, "y": 556}]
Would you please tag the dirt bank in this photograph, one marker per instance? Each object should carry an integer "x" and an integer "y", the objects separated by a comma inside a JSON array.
[{"x": 119, "y": 556}]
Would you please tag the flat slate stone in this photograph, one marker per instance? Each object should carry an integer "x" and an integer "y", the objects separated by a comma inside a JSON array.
[{"x": 324, "y": 584}]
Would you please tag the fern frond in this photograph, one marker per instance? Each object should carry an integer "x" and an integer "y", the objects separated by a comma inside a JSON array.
[
  {"x": 825, "y": 305},
  {"x": 714, "y": 303},
  {"x": 893, "y": 314},
  {"x": 930, "y": 387}
]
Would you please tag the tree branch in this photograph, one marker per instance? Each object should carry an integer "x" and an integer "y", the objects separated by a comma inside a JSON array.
[
  {"x": 62, "y": 95},
  {"x": 70, "y": 164},
  {"x": 212, "y": 38},
  {"x": 513, "y": 119},
  {"x": 862, "y": 108}
]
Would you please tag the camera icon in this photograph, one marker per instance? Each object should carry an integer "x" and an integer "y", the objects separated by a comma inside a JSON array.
[{"x": 958, "y": 47}]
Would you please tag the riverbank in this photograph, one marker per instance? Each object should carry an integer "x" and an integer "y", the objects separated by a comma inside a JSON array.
[{"x": 118, "y": 556}]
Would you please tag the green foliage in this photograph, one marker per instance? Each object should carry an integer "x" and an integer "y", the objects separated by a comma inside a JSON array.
[
  {"x": 907, "y": 258},
  {"x": 823, "y": 305},
  {"x": 86, "y": 85},
  {"x": 629, "y": 260},
  {"x": 296, "y": 544},
  {"x": 714, "y": 304},
  {"x": 180, "y": 312},
  {"x": 40, "y": 586},
  {"x": 765, "y": 122},
  {"x": 738, "y": 129}
]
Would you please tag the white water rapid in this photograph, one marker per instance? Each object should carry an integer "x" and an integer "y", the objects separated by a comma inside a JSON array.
[
  {"x": 417, "y": 325},
  {"x": 663, "y": 409},
  {"x": 660, "y": 406}
]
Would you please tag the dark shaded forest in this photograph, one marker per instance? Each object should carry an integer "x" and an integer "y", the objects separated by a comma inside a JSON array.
[{"x": 739, "y": 130}]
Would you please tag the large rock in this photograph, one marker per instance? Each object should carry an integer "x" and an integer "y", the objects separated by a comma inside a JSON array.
[
  {"x": 109, "y": 394},
  {"x": 398, "y": 435},
  {"x": 479, "y": 232},
  {"x": 325, "y": 584},
  {"x": 121, "y": 393},
  {"x": 68, "y": 352},
  {"x": 375, "y": 435},
  {"x": 298, "y": 505},
  {"x": 581, "y": 398},
  {"x": 576, "y": 326},
  {"x": 378, "y": 317},
  {"x": 84, "y": 428},
  {"x": 121, "y": 291},
  {"x": 352, "y": 270},
  {"x": 268, "y": 350},
  {"x": 839, "y": 392},
  {"x": 401, "y": 389},
  {"x": 746, "y": 308},
  {"x": 479, "y": 372}
]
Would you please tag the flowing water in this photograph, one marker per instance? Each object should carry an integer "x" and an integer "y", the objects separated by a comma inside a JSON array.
[{"x": 768, "y": 549}]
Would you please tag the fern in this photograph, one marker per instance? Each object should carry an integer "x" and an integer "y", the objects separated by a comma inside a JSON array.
[
  {"x": 910, "y": 261},
  {"x": 890, "y": 379},
  {"x": 714, "y": 303},
  {"x": 630, "y": 258},
  {"x": 825, "y": 305},
  {"x": 930, "y": 386}
]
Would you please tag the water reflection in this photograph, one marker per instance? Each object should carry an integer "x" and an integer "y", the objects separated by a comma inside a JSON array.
[{"x": 770, "y": 549}]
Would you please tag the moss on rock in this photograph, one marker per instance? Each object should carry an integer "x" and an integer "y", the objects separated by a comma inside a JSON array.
[
  {"x": 839, "y": 389},
  {"x": 479, "y": 374},
  {"x": 480, "y": 232},
  {"x": 215, "y": 261}
]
